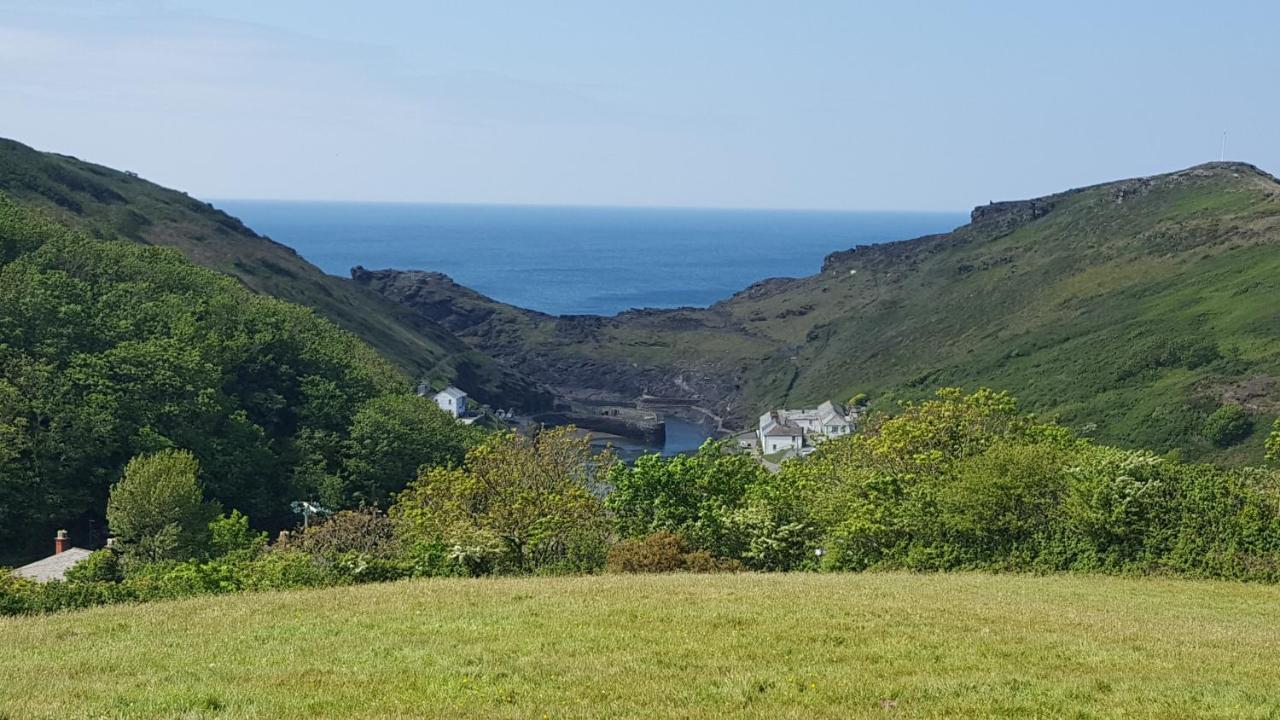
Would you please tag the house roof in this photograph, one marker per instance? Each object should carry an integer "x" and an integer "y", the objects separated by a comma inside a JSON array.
[
  {"x": 452, "y": 392},
  {"x": 777, "y": 429},
  {"x": 54, "y": 567}
]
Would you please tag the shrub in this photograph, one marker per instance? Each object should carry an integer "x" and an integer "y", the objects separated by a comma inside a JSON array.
[
  {"x": 286, "y": 569},
  {"x": 231, "y": 535},
  {"x": 363, "y": 533},
  {"x": 101, "y": 566},
  {"x": 657, "y": 552},
  {"x": 693, "y": 496},
  {"x": 1227, "y": 426},
  {"x": 1004, "y": 497},
  {"x": 663, "y": 552},
  {"x": 701, "y": 561},
  {"x": 184, "y": 579}
]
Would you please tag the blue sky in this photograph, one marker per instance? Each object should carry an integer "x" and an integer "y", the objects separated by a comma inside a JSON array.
[{"x": 904, "y": 105}]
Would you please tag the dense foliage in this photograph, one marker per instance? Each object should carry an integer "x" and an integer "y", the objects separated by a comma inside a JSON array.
[
  {"x": 109, "y": 350},
  {"x": 157, "y": 511},
  {"x": 957, "y": 482},
  {"x": 520, "y": 503}
]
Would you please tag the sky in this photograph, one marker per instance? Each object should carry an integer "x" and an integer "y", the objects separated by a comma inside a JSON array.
[{"x": 814, "y": 104}]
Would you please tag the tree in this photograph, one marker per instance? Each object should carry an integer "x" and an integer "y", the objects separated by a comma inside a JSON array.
[
  {"x": 157, "y": 510},
  {"x": 690, "y": 495},
  {"x": 1227, "y": 425},
  {"x": 519, "y": 503},
  {"x": 391, "y": 437}
]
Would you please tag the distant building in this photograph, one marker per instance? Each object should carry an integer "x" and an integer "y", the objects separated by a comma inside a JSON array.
[
  {"x": 452, "y": 400},
  {"x": 800, "y": 430},
  {"x": 55, "y": 566},
  {"x": 776, "y": 434}
]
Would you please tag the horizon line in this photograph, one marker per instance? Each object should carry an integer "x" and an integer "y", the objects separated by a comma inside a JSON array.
[{"x": 586, "y": 206}]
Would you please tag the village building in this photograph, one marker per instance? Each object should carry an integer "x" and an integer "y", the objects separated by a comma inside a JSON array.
[
  {"x": 776, "y": 434},
  {"x": 55, "y": 566},
  {"x": 800, "y": 430},
  {"x": 451, "y": 399}
]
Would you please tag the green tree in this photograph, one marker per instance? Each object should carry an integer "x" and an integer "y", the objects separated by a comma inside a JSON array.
[
  {"x": 391, "y": 437},
  {"x": 1227, "y": 426},
  {"x": 231, "y": 535},
  {"x": 517, "y": 504},
  {"x": 690, "y": 495},
  {"x": 157, "y": 510}
]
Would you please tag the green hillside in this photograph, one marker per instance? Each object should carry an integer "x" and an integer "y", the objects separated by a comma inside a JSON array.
[
  {"x": 111, "y": 349},
  {"x": 1133, "y": 310},
  {"x": 690, "y": 646},
  {"x": 110, "y": 204}
]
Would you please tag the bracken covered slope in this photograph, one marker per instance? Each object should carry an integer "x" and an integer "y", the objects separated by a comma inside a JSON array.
[
  {"x": 108, "y": 203},
  {"x": 1131, "y": 309}
]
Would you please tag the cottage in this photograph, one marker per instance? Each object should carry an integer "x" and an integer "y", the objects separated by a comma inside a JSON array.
[
  {"x": 777, "y": 434},
  {"x": 452, "y": 400},
  {"x": 800, "y": 430},
  {"x": 55, "y": 566}
]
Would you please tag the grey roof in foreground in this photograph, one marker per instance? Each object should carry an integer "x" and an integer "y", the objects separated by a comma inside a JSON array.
[
  {"x": 777, "y": 429},
  {"x": 54, "y": 567},
  {"x": 452, "y": 392}
]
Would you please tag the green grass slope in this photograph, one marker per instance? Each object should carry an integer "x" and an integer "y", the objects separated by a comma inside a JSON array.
[
  {"x": 111, "y": 204},
  {"x": 1130, "y": 309},
  {"x": 688, "y": 646},
  {"x": 1135, "y": 308}
]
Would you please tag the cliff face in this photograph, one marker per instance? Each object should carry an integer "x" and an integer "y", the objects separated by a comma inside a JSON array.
[
  {"x": 1130, "y": 307},
  {"x": 581, "y": 357}
]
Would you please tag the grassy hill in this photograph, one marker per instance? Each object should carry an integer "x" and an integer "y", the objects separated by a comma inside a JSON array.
[
  {"x": 111, "y": 204},
  {"x": 1131, "y": 309},
  {"x": 751, "y": 646}
]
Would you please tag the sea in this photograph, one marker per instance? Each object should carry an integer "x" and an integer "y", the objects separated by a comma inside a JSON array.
[
  {"x": 580, "y": 260},
  {"x": 583, "y": 260}
]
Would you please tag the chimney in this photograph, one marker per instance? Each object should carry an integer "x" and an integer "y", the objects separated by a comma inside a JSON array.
[{"x": 61, "y": 542}]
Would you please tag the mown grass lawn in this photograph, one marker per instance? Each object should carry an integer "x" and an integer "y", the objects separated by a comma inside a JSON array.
[{"x": 756, "y": 646}]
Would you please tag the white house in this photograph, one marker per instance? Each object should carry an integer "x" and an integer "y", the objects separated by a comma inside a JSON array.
[
  {"x": 776, "y": 434},
  {"x": 452, "y": 400},
  {"x": 799, "y": 430}
]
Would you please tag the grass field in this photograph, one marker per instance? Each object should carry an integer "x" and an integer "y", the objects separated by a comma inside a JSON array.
[{"x": 757, "y": 646}]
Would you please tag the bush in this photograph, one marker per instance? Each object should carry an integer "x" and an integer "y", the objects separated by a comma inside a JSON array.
[
  {"x": 658, "y": 552},
  {"x": 693, "y": 496},
  {"x": 1227, "y": 426},
  {"x": 101, "y": 566},
  {"x": 230, "y": 535},
  {"x": 286, "y": 569},
  {"x": 185, "y": 579},
  {"x": 363, "y": 533},
  {"x": 701, "y": 561},
  {"x": 664, "y": 552}
]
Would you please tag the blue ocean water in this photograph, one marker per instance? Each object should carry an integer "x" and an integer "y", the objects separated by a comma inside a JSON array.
[{"x": 565, "y": 260}]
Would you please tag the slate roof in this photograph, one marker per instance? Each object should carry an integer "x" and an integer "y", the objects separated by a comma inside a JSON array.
[
  {"x": 773, "y": 426},
  {"x": 780, "y": 430},
  {"x": 54, "y": 567},
  {"x": 452, "y": 392}
]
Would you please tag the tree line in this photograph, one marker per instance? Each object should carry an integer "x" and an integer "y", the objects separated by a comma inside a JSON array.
[{"x": 958, "y": 482}]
